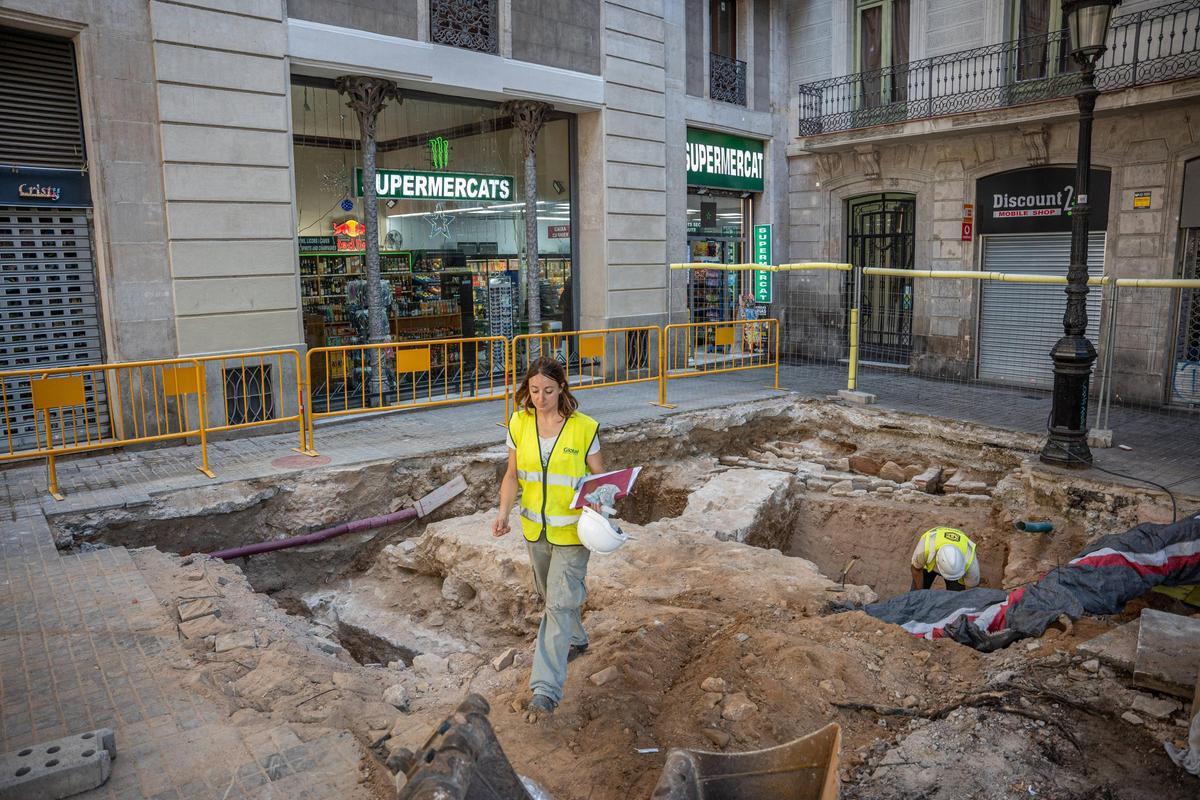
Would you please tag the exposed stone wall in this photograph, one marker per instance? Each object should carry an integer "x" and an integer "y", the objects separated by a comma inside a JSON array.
[{"x": 1146, "y": 151}]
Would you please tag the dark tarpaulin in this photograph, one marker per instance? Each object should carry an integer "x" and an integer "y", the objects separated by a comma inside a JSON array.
[{"x": 1104, "y": 577}]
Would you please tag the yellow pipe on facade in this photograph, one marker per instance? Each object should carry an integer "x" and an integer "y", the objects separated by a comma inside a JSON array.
[
  {"x": 1001, "y": 277},
  {"x": 813, "y": 265},
  {"x": 734, "y": 267},
  {"x": 1159, "y": 283}
]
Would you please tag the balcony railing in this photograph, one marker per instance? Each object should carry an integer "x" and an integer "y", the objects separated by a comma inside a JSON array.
[
  {"x": 727, "y": 79},
  {"x": 1151, "y": 46},
  {"x": 469, "y": 24}
]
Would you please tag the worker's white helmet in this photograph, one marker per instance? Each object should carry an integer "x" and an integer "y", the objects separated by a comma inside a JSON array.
[
  {"x": 598, "y": 534},
  {"x": 950, "y": 562}
]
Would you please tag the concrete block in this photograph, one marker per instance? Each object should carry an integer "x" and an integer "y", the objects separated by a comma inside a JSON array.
[
  {"x": 859, "y": 398},
  {"x": 230, "y": 220},
  {"x": 221, "y": 69},
  {"x": 205, "y": 106},
  {"x": 216, "y": 29},
  {"x": 61, "y": 768},
  {"x": 215, "y": 259},
  {"x": 236, "y": 640},
  {"x": 1168, "y": 653},
  {"x": 1100, "y": 438},
  {"x": 1117, "y": 648},
  {"x": 235, "y": 295}
]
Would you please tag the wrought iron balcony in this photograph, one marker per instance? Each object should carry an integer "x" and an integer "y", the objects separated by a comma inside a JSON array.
[
  {"x": 469, "y": 24},
  {"x": 727, "y": 79},
  {"x": 1151, "y": 46}
]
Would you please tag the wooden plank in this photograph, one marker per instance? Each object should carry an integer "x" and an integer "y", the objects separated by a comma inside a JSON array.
[{"x": 1168, "y": 653}]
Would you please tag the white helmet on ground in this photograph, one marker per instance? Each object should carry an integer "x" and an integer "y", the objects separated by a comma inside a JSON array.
[
  {"x": 950, "y": 562},
  {"x": 598, "y": 534}
]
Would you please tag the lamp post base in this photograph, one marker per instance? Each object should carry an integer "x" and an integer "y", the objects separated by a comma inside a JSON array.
[{"x": 1067, "y": 443}]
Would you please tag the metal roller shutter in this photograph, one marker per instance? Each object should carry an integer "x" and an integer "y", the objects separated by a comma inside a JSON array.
[
  {"x": 48, "y": 313},
  {"x": 1019, "y": 323}
]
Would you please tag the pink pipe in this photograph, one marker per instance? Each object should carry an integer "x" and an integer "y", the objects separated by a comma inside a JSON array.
[{"x": 356, "y": 526}]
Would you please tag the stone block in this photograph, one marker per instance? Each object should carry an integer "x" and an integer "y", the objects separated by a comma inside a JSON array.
[
  {"x": 1117, "y": 648},
  {"x": 207, "y": 106},
  {"x": 60, "y": 768},
  {"x": 1168, "y": 653},
  {"x": 220, "y": 69},
  {"x": 236, "y": 640},
  {"x": 605, "y": 675},
  {"x": 217, "y": 30},
  {"x": 204, "y": 626},
  {"x": 220, "y": 182},
  {"x": 1100, "y": 438},
  {"x": 929, "y": 481},
  {"x": 229, "y": 220},
  {"x": 193, "y": 609},
  {"x": 504, "y": 660},
  {"x": 856, "y": 397},
  {"x": 203, "y": 145},
  {"x": 1156, "y": 707}
]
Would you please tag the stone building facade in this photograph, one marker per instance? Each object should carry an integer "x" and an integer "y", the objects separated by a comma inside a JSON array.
[{"x": 1145, "y": 135}]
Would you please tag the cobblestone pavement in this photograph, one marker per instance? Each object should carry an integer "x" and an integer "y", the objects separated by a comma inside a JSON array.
[{"x": 85, "y": 643}]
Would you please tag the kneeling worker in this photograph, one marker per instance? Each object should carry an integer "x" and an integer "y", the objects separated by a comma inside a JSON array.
[{"x": 946, "y": 552}]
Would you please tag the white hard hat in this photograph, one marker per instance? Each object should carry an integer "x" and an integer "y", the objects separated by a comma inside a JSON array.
[
  {"x": 950, "y": 562},
  {"x": 597, "y": 534}
]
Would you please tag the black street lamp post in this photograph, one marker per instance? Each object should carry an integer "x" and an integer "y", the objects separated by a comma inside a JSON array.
[{"x": 1073, "y": 354}]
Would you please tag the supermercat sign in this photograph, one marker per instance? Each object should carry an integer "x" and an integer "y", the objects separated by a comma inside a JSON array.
[
  {"x": 404, "y": 184},
  {"x": 724, "y": 161}
]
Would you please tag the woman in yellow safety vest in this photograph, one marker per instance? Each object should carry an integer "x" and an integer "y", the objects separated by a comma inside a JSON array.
[{"x": 551, "y": 447}]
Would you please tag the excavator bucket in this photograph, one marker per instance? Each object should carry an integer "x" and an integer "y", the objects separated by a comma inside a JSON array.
[
  {"x": 463, "y": 760},
  {"x": 804, "y": 769}
]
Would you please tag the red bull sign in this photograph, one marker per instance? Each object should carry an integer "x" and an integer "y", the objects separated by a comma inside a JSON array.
[{"x": 351, "y": 227}]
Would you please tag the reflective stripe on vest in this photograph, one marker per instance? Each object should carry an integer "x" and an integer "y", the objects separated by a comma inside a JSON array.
[
  {"x": 551, "y": 478},
  {"x": 936, "y": 538},
  {"x": 548, "y": 490}
]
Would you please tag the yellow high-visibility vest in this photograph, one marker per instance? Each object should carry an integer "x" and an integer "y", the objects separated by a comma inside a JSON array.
[
  {"x": 547, "y": 492},
  {"x": 936, "y": 538}
]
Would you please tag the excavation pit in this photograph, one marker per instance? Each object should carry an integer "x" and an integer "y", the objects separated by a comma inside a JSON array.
[{"x": 744, "y": 523}]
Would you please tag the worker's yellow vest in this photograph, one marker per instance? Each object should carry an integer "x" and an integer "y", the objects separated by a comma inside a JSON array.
[
  {"x": 547, "y": 492},
  {"x": 936, "y": 538}
]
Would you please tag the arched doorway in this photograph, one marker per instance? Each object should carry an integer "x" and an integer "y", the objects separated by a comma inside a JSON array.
[{"x": 882, "y": 233}]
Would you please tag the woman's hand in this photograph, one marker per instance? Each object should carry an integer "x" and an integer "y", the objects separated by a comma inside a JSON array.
[{"x": 500, "y": 526}]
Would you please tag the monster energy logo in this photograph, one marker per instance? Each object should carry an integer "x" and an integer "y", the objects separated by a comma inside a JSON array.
[{"x": 439, "y": 152}]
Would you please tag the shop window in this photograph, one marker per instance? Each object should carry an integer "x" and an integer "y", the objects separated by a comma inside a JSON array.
[
  {"x": 715, "y": 235},
  {"x": 452, "y": 266}
]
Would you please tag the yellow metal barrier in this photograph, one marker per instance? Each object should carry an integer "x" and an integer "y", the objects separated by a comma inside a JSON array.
[
  {"x": 735, "y": 267},
  {"x": 72, "y": 409},
  {"x": 814, "y": 265},
  {"x": 254, "y": 388},
  {"x": 705, "y": 348},
  {"x": 369, "y": 378},
  {"x": 593, "y": 359}
]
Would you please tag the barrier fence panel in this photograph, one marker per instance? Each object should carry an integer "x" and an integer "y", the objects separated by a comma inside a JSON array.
[
  {"x": 593, "y": 359},
  {"x": 247, "y": 390},
  {"x": 1152, "y": 354},
  {"x": 97, "y": 406},
  {"x": 814, "y": 304},
  {"x": 359, "y": 379},
  {"x": 700, "y": 348}
]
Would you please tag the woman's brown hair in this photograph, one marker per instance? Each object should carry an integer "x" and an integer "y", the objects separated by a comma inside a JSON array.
[{"x": 548, "y": 368}]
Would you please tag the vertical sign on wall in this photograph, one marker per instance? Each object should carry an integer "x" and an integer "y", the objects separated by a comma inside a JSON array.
[{"x": 763, "y": 286}]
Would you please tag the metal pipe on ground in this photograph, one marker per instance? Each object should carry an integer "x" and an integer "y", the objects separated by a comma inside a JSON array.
[{"x": 423, "y": 507}]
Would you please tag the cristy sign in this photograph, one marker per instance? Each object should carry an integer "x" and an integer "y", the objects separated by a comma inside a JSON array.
[{"x": 404, "y": 184}]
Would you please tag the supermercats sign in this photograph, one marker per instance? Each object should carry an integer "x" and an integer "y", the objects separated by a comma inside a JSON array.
[
  {"x": 404, "y": 184},
  {"x": 724, "y": 161}
]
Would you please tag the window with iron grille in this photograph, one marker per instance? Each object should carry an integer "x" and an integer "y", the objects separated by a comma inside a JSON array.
[
  {"x": 249, "y": 394},
  {"x": 469, "y": 24}
]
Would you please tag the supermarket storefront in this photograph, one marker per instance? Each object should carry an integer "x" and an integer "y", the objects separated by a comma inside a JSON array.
[
  {"x": 725, "y": 183},
  {"x": 451, "y": 217}
]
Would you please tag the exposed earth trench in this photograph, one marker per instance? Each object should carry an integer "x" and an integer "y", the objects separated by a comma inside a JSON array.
[{"x": 720, "y": 627}]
